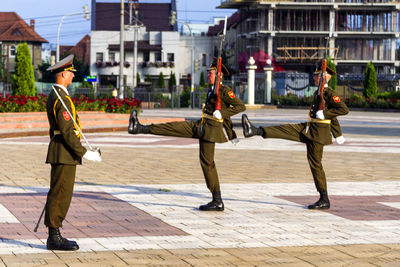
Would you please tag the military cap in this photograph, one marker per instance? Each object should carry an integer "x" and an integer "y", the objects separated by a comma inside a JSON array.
[
  {"x": 63, "y": 65},
  {"x": 213, "y": 66}
]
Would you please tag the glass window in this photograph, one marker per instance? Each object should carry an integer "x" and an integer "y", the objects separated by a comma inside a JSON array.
[
  {"x": 146, "y": 56},
  {"x": 13, "y": 50},
  {"x": 171, "y": 57},
  {"x": 204, "y": 60},
  {"x": 99, "y": 57},
  {"x": 157, "y": 56},
  {"x": 111, "y": 56}
]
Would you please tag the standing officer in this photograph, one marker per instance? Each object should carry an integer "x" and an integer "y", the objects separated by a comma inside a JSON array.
[
  {"x": 314, "y": 134},
  {"x": 64, "y": 153},
  {"x": 209, "y": 130}
]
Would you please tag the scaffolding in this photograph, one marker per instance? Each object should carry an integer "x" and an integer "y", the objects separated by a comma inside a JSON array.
[{"x": 305, "y": 54}]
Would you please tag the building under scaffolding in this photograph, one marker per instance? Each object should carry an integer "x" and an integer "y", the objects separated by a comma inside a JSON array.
[{"x": 294, "y": 33}]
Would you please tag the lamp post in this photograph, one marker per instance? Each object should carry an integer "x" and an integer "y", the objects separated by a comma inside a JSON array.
[
  {"x": 85, "y": 11},
  {"x": 192, "y": 63}
]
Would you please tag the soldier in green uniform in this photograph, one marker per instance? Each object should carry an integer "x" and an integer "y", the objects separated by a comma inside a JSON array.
[
  {"x": 64, "y": 153},
  {"x": 315, "y": 134},
  {"x": 209, "y": 130}
]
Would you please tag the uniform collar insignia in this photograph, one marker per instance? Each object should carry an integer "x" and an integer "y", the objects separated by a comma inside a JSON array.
[{"x": 62, "y": 87}]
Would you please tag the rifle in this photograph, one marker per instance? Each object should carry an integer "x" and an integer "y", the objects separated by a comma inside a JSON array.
[
  {"x": 322, "y": 80},
  {"x": 218, "y": 73},
  {"x": 321, "y": 86}
]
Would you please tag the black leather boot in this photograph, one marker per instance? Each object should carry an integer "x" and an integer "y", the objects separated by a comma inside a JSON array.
[
  {"x": 322, "y": 204},
  {"x": 215, "y": 205},
  {"x": 134, "y": 126},
  {"x": 56, "y": 242},
  {"x": 248, "y": 129}
]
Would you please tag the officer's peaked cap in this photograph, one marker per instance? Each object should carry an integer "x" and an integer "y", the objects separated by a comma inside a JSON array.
[
  {"x": 213, "y": 66},
  {"x": 63, "y": 65}
]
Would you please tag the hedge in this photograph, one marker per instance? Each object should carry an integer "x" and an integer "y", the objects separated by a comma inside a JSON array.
[{"x": 12, "y": 103}]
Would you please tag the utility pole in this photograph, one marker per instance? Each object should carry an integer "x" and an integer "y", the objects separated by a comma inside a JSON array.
[
  {"x": 135, "y": 38},
  {"x": 121, "y": 52}
]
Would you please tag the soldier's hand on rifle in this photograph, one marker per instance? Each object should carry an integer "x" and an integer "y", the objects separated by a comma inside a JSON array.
[
  {"x": 320, "y": 115},
  {"x": 217, "y": 114},
  {"x": 340, "y": 140},
  {"x": 93, "y": 155}
]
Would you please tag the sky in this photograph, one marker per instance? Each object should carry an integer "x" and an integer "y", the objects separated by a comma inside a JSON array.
[{"x": 48, "y": 13}]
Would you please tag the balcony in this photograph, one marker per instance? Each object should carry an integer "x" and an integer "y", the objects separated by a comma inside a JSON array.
[{"x": 154, "y": 68}]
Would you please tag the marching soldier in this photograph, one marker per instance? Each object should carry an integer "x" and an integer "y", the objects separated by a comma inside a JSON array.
[
  {"x": 209, "y": 130},
  {"x": 64, "y": 153},
  {"x": 315, "y": 134}
]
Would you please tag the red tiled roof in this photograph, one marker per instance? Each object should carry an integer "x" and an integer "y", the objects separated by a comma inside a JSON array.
[
  {"x": 142, "y": 46},
  {"x": 81, "y": 50},
  {"x": 155, "y": 16},
  {"x": 14, "y": 28}
]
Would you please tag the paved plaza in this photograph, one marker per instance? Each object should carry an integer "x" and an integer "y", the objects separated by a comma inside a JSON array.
[{"x": 139, "y": 206}]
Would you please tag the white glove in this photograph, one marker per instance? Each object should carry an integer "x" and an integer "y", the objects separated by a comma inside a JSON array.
[
  {"x": 340, "y": 140},
  {"x": 217, "y": 115},
  {"x": 92, "y": 155},
  {"x": 320, "y": 115}
]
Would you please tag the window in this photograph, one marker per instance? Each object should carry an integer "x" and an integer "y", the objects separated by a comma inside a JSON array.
[
  {"x": 99, "y": 57},
  {"x": 204, "y": 60},
  {"x": 13, "y": 51},
  {"x": 16, "y": 31},
  {"x": 171, "y": 57},
  {"x": 146, "y": 56},
  {"x": 157, "y": 56},
  {"x": 111, "y": 56}
]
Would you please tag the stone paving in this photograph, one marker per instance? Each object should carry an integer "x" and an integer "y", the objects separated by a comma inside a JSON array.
[{"x": 139, "y": 206}]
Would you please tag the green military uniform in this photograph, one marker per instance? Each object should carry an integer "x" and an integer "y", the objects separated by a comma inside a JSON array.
[
  {"x": 64, "y": 153},
  {"x": 208, "y": 130},
  {"x": 317, "y": 135}
]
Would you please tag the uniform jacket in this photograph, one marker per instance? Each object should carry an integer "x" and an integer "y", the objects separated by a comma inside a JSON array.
[
  {"x": 321, "y": 132},
  {"x": 213, "y": 131},
  {"x": 64, "y": 148}
]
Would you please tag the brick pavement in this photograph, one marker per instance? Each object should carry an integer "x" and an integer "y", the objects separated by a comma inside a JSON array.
[{"x": 265, "y": 222}]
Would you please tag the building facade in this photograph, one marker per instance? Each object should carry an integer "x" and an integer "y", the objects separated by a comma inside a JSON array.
[
  {"x": 13, "y": 31},
  {"x": 160, "y": 47},
  {"x": 294, "y": 34}
]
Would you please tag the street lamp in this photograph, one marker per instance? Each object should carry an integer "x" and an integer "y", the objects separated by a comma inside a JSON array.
[
  {"x": 85, "y": 11},
  {"x": 192, "y": 63}
]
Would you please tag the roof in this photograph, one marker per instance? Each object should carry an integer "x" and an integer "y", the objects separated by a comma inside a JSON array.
[
  {"x": 155, "y": 16},
  {"x": 142, "y": 46},
  {"x": 81, "y": 50},
  {"x": 14, "y": 28},
  {"x": 231, "y": 22}
]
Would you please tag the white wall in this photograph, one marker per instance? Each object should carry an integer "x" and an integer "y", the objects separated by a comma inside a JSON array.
[{"x": 170, "y": 42}]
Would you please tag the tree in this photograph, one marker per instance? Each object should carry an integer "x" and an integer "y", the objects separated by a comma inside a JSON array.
[
  {"x": 171, "y": 81},
  {"x": 148, "y": 78},
  {"x": 202, "y": 81},
  {"x": 47, "y": 76},
  {"x": 370, "y": 83},
  {"x": 23, "y": 79},
  {"x": 161, "y": 81},
  {"x": 333, "y": 81},
  {"x": 137, "y": 77}
]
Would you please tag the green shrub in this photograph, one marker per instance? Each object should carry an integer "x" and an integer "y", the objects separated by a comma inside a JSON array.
[
  {"x": 370, "y": 83},
  {"x": 23, "y": 81}
]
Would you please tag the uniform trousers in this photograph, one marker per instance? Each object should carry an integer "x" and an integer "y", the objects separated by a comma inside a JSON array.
[
  {"x": 314, "y": 149},
  {"x": 192, "y": 129},
  {"x": 60, "y": 194}
]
